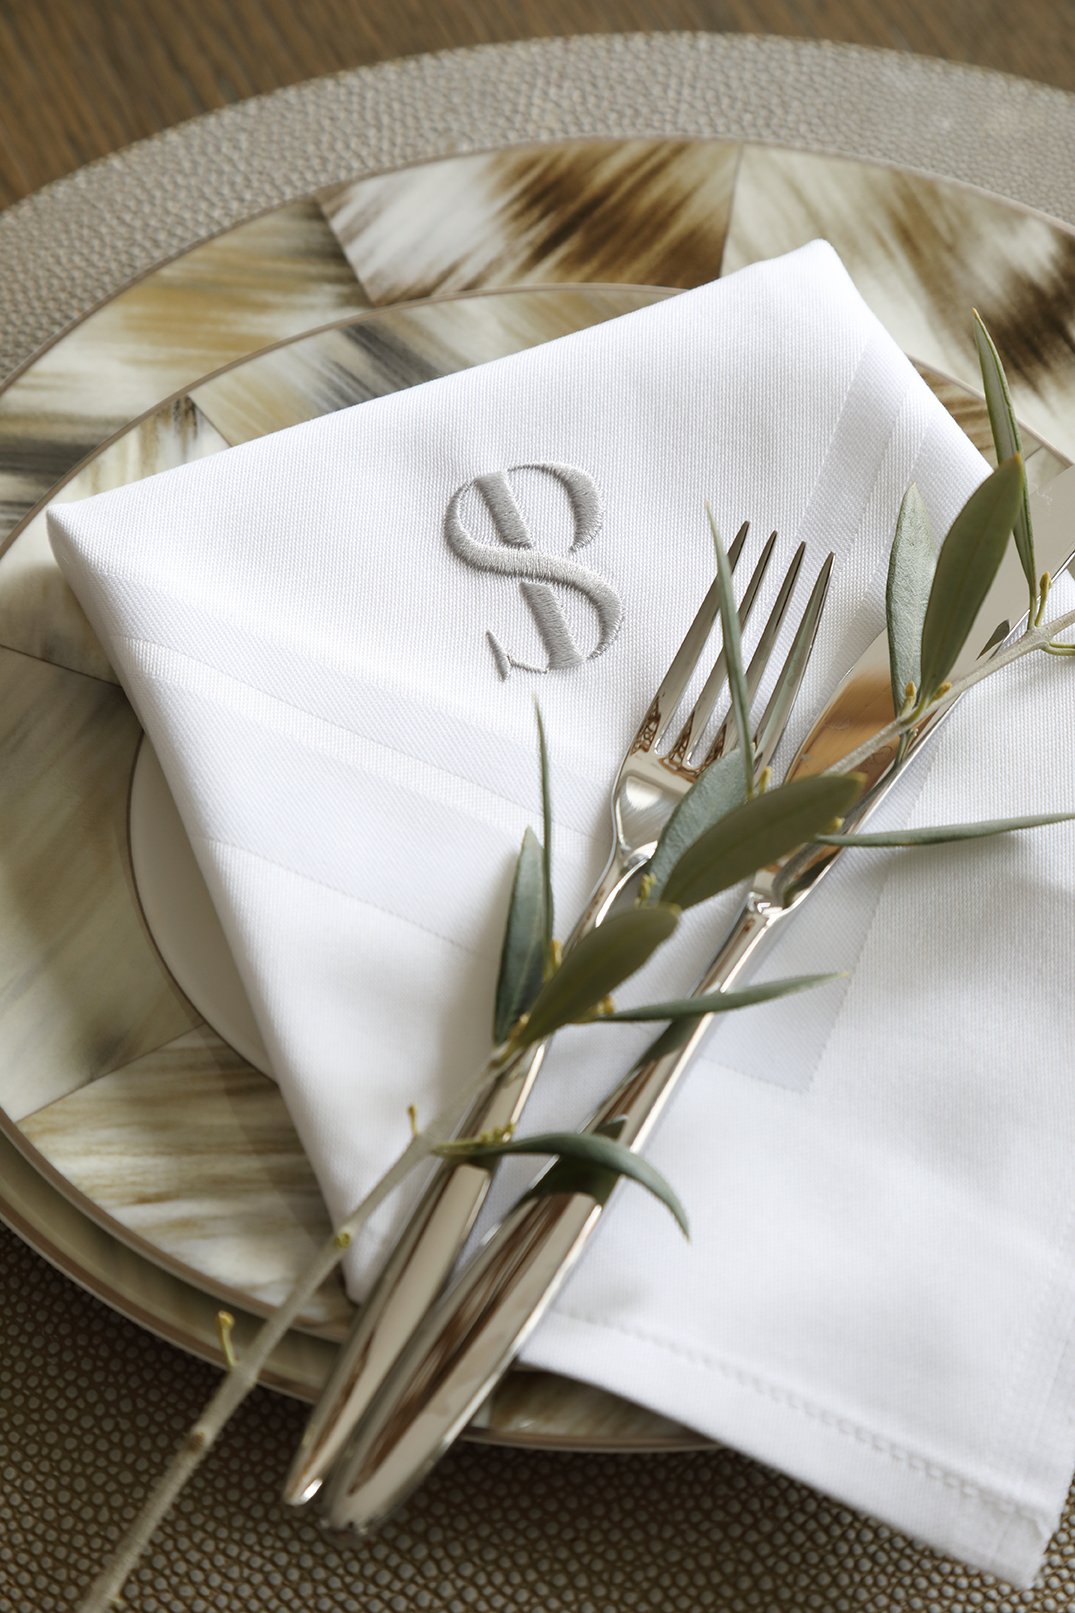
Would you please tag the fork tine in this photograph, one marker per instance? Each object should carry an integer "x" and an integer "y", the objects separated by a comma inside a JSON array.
[
  {"x": 760, "y": 659},
  {"x": 775, "y": 717},
  {"x": 676, "y": 679},
  {"x": 692, "y": 729},
  {"x": 728, "y": 736}
]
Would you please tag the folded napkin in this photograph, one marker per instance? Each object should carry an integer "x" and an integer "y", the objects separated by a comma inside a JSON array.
[{"x": 335, "y": 635}]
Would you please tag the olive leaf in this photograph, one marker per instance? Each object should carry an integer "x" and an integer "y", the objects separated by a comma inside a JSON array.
[
  {"x": 911, "y": 565},
  {"x": 595, "y": 966},
  {"x": 966, "y": 566},
  {"x": 546, "y": 848},
  {"x": 1007, "y": 443},
  {"x": 733, "y": 659},
  {"x": 713, "y": 794},
  {"x": 522, "y": 957},
  {"x": 720, "y": 1002},
  {"x": 943, "y": 833},
  {"x": 586, "y": 1162},
  {"x": 681, "y": 1027},
  {"x": 759, "y": 832}
]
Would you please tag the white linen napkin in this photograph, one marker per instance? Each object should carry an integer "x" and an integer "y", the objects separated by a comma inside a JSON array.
[{"x": 334, "y": 636}]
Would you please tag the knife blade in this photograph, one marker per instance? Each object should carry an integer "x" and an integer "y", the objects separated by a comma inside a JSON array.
[{"x": 466, "y": 1343}]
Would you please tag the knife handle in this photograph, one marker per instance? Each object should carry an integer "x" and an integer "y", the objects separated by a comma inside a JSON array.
[{"x": 469, "y": 1340}]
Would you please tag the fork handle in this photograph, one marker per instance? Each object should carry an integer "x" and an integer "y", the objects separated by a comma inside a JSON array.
[
  {"x": 422, "y": 1258},
  {"x": 467, "y": 1343},
  {"x": 415, "y": 1271}
]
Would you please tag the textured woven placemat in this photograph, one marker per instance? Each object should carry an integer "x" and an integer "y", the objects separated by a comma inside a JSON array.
[{"x": 91, "y": 1406}]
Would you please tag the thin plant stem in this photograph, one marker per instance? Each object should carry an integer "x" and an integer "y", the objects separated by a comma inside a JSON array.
[
  {"x": 241, "y": 1378},
  {"x": 1035, "y": 638}
]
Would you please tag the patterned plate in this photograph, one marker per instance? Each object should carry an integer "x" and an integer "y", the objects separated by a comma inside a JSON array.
[{"x": 142, "y": 1153}]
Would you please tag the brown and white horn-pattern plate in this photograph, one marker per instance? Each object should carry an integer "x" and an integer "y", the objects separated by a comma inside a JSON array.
[{"x": 137, "y": 1149}]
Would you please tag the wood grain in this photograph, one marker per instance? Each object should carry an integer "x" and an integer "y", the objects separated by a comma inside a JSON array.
[{"x": 81, "y": 78}]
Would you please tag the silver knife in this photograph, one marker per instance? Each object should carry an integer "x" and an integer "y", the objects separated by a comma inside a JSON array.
[{"x": 466, "y": 1343}]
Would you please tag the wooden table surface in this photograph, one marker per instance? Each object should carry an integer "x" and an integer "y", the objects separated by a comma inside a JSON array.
[{"x": 81, "y": 78}]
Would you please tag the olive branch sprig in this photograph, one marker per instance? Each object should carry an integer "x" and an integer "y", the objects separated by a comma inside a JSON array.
[
  {"x": 540, "y": 989},
  {"x": 722, "y": 830}
]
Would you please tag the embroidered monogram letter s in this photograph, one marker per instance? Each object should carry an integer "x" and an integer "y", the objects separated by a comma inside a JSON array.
[{"x": 517, "y": 557}]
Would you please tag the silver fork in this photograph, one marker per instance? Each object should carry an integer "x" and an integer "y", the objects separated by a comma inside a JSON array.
[
  {"x": 469, "y": 1339},
  {"x": 647, "y": 789}
]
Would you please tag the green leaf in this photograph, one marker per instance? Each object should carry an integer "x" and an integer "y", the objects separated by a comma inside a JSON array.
[
  {"x": 942, "y": 833},
  {"x": 546, "y": 847},
  {"x": 758, "y": 833},
  {"x": 910, "y": 572},
  {"x": 596, "y": 965},
  {"x": 713, "y": 794},
  {"x": 681, "y": 1028},
  {"x": 522, "y": 957},
  {"x": 720, "y": 1002},
  {"x": 1007, "y": 441},
  {"x": 586, "y": 1162},
  {"x": 733, "y": 658},
  {"x": 966, "y": 566},
  {"x": 672, "y": 1038}
]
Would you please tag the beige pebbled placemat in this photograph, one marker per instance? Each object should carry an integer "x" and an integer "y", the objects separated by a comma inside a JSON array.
[
  {"x": 91, "y": 1405},
  {"x": 76, "y": 242}
]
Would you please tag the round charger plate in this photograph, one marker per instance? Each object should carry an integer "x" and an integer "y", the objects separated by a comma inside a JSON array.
[{"x": 403, "y": 274}]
